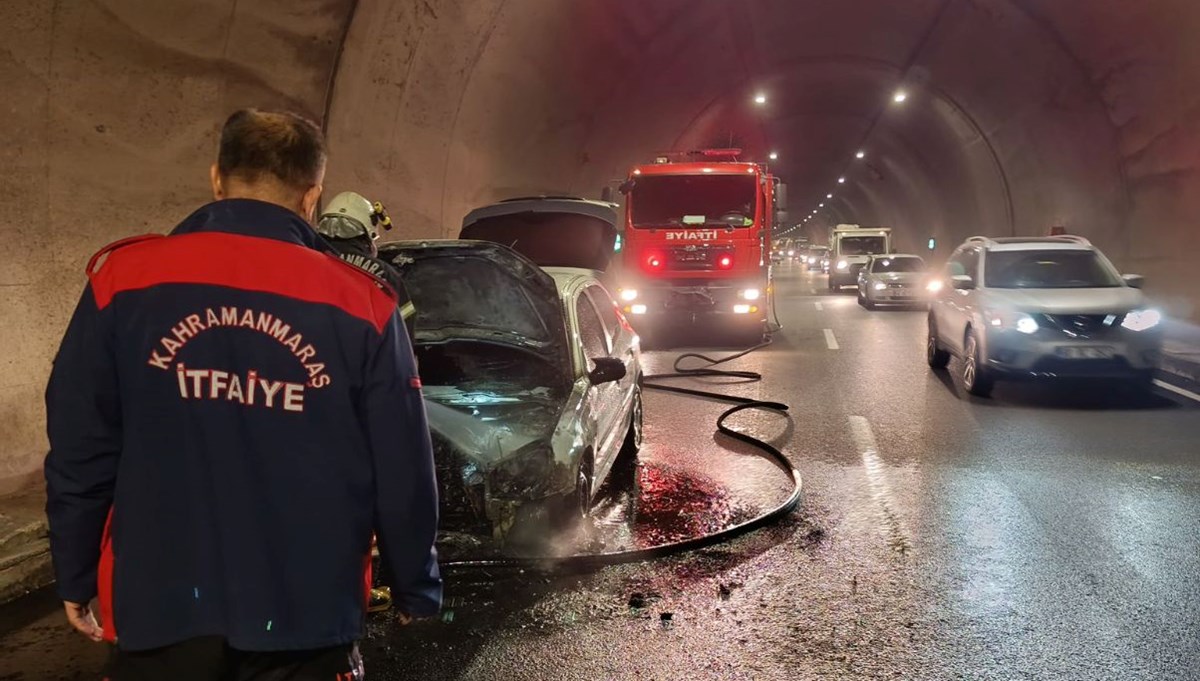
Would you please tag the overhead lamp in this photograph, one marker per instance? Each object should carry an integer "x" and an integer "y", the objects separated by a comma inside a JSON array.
[
  {"x": 900, "y": 96},
  {"x": 829, "y": 196},
  {"x": 760, "y": 98},
  {"x": 861, "y": 154},
  {"x": 841, "y": 180},
  {"x": 773, "y": 155},
  {"x": 820, "y": 205}
]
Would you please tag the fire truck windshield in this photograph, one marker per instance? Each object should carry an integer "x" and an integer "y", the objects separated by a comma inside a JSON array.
[{"x": 663, "y": 200}]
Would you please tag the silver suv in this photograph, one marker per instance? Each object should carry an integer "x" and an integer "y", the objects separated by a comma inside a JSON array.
[{"x": 1040, "y": 308}]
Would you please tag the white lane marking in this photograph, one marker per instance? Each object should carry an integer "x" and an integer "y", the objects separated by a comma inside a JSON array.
[
  {"x": 819, "y": 306},
  {"x": 830, "y": 340},
  {"x": 1177, "y": 390},
  {"x": 864, "y": 439}
]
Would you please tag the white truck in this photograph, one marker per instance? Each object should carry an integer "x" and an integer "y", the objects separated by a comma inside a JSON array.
[{"x": 849, "y": 248}]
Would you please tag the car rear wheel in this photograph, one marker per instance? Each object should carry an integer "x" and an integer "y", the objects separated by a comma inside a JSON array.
[
  {"x": 975, "y": 377},
  {"x": 934, "y": 354}
]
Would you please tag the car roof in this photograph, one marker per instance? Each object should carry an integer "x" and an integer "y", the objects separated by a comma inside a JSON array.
[
  {"x": 1031, "y": 243},
  {"x": 890, "y": 256},
  {"x": 1038, "y": 245},
  {"x": 565, "y": 276}
]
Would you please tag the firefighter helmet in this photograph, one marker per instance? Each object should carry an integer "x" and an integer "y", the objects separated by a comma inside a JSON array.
[{"x": 351, "y": 215}]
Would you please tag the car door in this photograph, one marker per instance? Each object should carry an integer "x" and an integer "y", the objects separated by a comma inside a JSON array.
[
  {"x": 956, "y": 304},
  {"x": 623, "y": 345},
  {"x": 864, "y": 276},
  {"x": 604, "y": 400}
]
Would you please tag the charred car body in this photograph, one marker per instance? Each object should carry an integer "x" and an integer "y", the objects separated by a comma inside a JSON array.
[{"x": 531, "y": 374}]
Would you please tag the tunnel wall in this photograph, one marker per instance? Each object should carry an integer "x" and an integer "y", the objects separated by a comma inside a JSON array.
[{"x": 112, "y": 110}]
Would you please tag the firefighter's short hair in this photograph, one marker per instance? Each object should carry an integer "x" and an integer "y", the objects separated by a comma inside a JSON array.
[{"x": 283, "y": 145}]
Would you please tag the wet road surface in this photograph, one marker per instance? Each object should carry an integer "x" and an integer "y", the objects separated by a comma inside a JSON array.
[{"x": 1052, "y": 532}]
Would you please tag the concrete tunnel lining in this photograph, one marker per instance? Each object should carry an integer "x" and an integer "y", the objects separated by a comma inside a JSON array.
[{"x": 438, "y": 106}]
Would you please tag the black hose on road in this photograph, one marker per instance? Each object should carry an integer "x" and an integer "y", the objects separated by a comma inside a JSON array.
[{"x": 769, "y": 451}]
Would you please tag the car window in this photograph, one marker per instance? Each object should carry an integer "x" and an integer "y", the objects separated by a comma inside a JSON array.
[
  {"x": 608, "y": 313},
  {"x": 964, "y": 262},
  {"x": 1049, "y": 269},
  {"x": 591, "y": 331}
]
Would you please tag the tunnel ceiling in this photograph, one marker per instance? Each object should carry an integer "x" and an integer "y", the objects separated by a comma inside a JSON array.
[{"x": 1021, "y": 115}]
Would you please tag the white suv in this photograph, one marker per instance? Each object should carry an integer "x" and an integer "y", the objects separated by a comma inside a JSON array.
[{"x": 1040, "y": 307}]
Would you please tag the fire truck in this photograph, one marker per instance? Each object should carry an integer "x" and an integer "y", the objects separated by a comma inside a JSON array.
[{"x": 696, "y": 243}]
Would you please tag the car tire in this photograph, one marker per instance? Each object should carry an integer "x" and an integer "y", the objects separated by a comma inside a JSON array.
[
  {"x": 633, "y": 436},
  {"x": 861, "y": 301},
  {"x": 976, "y": 378},
  {"x": 869, "y": 304},
  {"x": 935, "y": 355}
]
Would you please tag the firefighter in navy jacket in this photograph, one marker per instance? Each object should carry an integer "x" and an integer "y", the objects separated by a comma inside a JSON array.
[{"x": 232, "y": 414}]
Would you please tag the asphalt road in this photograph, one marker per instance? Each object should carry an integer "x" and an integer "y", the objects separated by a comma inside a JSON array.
[{"x": 1052, "y": 532}]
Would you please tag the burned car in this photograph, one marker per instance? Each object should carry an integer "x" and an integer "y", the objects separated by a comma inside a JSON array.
[{"x": 531, "y": 374}]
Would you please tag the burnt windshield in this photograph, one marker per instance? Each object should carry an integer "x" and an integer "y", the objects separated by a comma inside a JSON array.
[
  {"x": 1048, "y": 269},
  {"x": 666, "y": 200},
  {"x": 861, "y": 245},
  {"x": 471, "y": 296}
]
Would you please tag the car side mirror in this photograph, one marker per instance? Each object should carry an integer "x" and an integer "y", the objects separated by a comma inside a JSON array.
[
  {"x": 1134, "y": 280},
  {"x": 607, "y": 370},
  {"x": 962, "y": 282}
]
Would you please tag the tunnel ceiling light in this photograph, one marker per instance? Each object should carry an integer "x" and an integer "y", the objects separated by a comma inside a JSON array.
[
  {"x": 829, "y": 196},
  {"x": 774, "y": 155},
  {"x": 861, "y": 154},
  {"x": 706, "y": 170},
  {"x": 820, "y": 205},
  {"x": 900, "y": 96},
  {"x": 841, "y": 180},
  {"x": 760, "y": 98}
]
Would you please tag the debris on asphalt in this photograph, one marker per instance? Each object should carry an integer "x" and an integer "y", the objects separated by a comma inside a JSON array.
[{"x": 667, "y": 619}]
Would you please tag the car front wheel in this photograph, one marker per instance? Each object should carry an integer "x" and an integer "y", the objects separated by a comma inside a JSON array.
[
  {"x": 975, "y": 377},
  {"x": 934, "y": 354}
]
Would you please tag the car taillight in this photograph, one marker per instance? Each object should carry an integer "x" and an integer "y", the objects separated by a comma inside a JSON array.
[
  {"x": 655, "y": 261},
  {"x": 725, "y": 262}
]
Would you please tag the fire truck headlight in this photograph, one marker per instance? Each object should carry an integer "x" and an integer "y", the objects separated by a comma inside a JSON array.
[
  {"x": 637, "y": 309},
  {"x": 628, "y": 294},
  {"x": 843, "y": 265},
  {"x": 751, "y": 294}
]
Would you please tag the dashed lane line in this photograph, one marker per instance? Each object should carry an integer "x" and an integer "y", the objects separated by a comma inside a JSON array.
[
  {"x": 1177, "y": 390},
  {"x": 830, "y": 339},
  {"x": 881, "y": 491}
]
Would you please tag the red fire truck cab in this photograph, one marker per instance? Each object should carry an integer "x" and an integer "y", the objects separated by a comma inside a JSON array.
[{"x": 695, "y": 246}]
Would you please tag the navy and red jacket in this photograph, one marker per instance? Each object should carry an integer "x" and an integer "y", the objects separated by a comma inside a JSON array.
[{"x": 247, "y": 408}]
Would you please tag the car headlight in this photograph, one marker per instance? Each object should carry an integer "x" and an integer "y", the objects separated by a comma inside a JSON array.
[
  {"x": 812, "y": 261},
  {"x": 843, "y": 265},
  {"x": 934, "y": 286},
  {"x": 1140, "y": 320},
  {"x": 750, "y": 294},
  {"x": 879, "y": 286},
  {"x": 1011, "y": 319},
  {"x": 628, "y": 294},
  {"x": 790, "y": 253}
]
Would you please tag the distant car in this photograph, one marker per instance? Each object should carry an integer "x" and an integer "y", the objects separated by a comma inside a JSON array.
[
  {"x": 532, "y": 376},
  {"x": 1041, "y": 308},
  {"x": 818, "y": 259},
  {"x": 893, "y": 280}
]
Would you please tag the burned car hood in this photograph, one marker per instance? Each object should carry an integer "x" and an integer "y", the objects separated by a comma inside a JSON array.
[
  {"x": 489, "y": 433},
  {"x": 479, "y": 291},
  {"x": 552, "y": 232}
]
